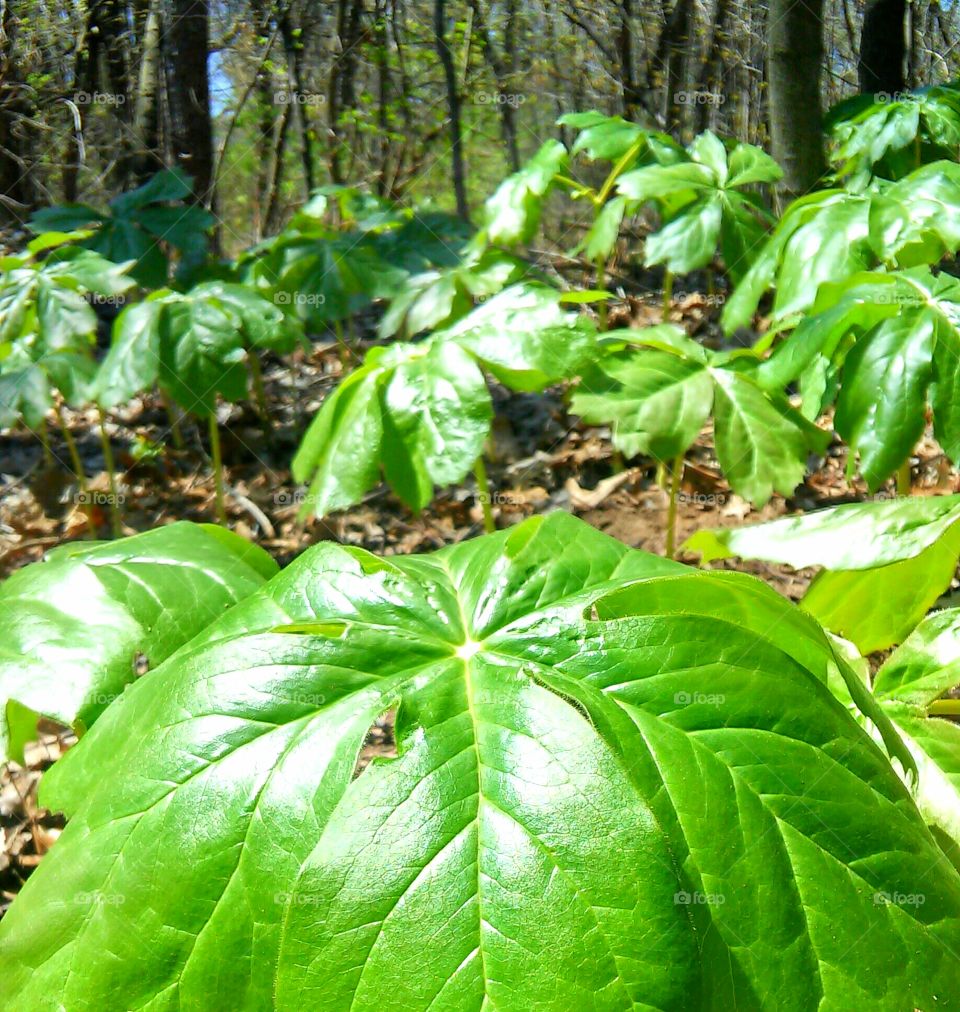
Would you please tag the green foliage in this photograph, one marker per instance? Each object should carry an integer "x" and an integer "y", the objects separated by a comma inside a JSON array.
[
  {"x": 324, "y": 272},
  {"x": 564, "y": 706},
  {"x": 704, "y": 206},
  {"x": 48, "y": 326},
  {"x": 513, "y": 212},
  {"x": 656, "y": 388},
  {"x": 831, "y": 235},
  {"x": 438, "y": 298},
  {"x": 884, "y": 563},
  {"x": 890, "y": 135},
  {"x": 882, "y": 346},
  {"x": 421, "y": 411},
  {"x": 194, "y": 344},
  {"x": 72, "y": 628},
  {"x": 138, "y": 225}
]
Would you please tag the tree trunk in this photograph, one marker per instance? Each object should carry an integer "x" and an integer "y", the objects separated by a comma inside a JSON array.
[
  {"x": 16, "y": 186},
  {"x": 453, "y": 106},
  {"x": 188, "y": 94},
  {"x": 145, "y": 158},
  {"x": 502, "y": 75},
  {"x": 883, "y": 47},
  {"x": 794, "y": 60}
]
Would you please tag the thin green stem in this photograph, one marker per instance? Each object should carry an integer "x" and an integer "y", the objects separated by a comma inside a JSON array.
[
  {"x": 667, "y": 294},
  {"x": 217, "y": 462},
  {"x": 628, "y": 157},
  {"x": 483, "y": 492},
  {"x": 341, "y": 343},
  {"x": 111, "y": 468},
  {"x": 259, "y": 393},
  {"x": 78, "y": 471},
  {"x": 44, "y": 435},
  {"x": 676, "y": 476},
  {"x": 601, "y": 286},
  {"x": 945, "y": 708},
  {"x": 904, "y": 479},
  {"x": 173, "y": 416}
]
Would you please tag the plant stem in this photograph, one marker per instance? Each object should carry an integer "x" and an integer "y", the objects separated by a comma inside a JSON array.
[
  {"x": 661, "y": 475},
  {"x": 78, "y": 471},
  {"x": 676, "y": 475},
  {"x": 601, "y": 286},
  {"x": 172, "y": 412},
  {"x": 108, "y": 462},
  {"x": 667, "y": 294},
  {"x": 256, "y": 379},
  {"x": 483, "y": 491},
  {"x": 627, "y": 158},
  {"x": 344, "y": 353},
  {"x": 45, "y": 443},
  {"x": 904, "y": 480},
  {"x": 945, "y": 708},
  {"x": 217, "y": 460}
]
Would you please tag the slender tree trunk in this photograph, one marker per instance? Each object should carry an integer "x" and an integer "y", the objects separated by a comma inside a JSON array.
[
  {"x": 501, "y": 75},
  {"x": 883, "y": 47},
  {"x": 453, "y": 106},
  {"x": 16, "y": 189},
  {"x": 145, "y": 157},
  {"x": 186, "y": 43},
  {"x": 293, "y": 47},
  {"x": 794, "y": 61}
]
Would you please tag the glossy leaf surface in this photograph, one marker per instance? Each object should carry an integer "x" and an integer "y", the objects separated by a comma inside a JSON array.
[{"x": 618, "y": 784}]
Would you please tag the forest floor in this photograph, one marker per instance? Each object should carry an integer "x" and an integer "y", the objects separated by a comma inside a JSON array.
[{"x": 539, "y": 460}]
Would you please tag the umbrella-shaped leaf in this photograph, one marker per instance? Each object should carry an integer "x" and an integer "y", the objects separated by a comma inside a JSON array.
[
  {"x": 611, "y": 790},
  {"x": 73, "y": 626}
]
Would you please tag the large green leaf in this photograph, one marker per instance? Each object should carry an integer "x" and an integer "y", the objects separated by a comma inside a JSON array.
[
  {"x": 513, "y": 212},
  {"x": 138, "y": 222},
  {"x": 657, "y": 397},
  {"x": 421, "y": 412},
  {"x": 892, "y": 342},
  {"x": 887, "y": 134},
  {"x": 885, "y": 563},
  {"x": 701, "y": 207},
  {"x": 909, "y": 688},
  {"x": 73, "y": 626},
  {"x": 525, "y": 337},
  {"x": 609, "y": 793},
  {"x": 824, "y": 236},
  {"x": 194, "y": 344}
]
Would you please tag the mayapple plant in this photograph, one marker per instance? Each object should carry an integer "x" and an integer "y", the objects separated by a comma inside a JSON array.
[{"x": 618, "y": 783}]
